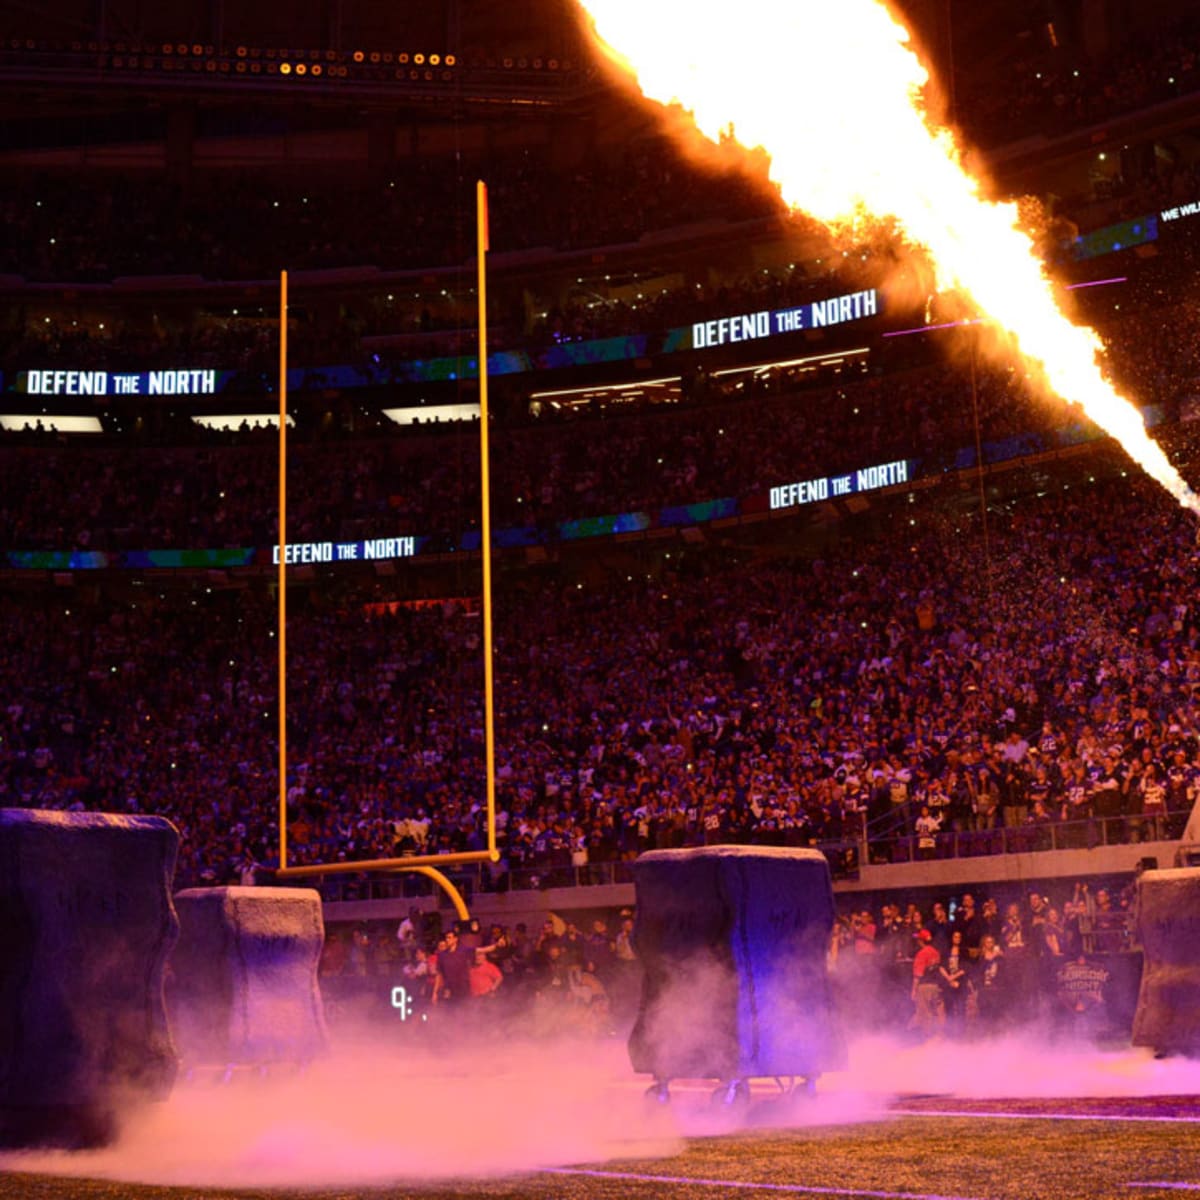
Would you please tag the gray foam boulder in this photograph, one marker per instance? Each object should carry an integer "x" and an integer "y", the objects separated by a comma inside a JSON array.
[
  {"x": 86, "y": 924},
  {"x": 243, "y": 988},
  {"x": 1168, "y": 1008},
  {"x": 733, "y": 942}
]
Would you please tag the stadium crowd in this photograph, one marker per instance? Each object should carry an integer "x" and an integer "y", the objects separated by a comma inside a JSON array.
[
  {"x": 733, "y": 436},
  {"x": 924, "y": 687},
  {"x": 969, "y": 965},
  {"x": 389, "y": 325},
  {"x": 557, "y": 978},
  {"x": 411, "y": 318},
  {"x": 1049, "y": 93},
  {"x": 977, "y": 966},
  {"x": 934, "y": 690},
  {"x": 421, "y": 217}
]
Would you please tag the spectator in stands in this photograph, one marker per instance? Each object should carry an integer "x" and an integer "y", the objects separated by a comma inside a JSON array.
[
  {"x": 992, "y": 987},
  {"x": 454, "y": 963},
  {"x": 954, "y": 982},
  {"x": 484, "y": 977},
  {"x": 928, "y": 1014}
]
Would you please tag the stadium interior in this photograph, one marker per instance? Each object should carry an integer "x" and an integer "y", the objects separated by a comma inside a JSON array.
[
  {"x": 785, "y": 550},
  {"x": 785, "y": 554}
]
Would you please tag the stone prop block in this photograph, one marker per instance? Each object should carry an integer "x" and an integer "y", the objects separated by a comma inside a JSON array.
[
  {"x": 86, "y": 924},
  {"x": 1168, "y": 919},
  {"x": 733, "y": 941},
  {"x": 243, "y": 987}
]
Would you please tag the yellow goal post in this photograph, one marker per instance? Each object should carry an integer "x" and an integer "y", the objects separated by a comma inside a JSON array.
[{"x": 427, "y": 864}]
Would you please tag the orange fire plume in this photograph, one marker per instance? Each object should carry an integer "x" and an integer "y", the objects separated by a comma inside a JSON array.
[{"x": 833, "y": 93}]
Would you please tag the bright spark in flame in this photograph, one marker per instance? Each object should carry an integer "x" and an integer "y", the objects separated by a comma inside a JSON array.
[{"x": 832, "y": 91}]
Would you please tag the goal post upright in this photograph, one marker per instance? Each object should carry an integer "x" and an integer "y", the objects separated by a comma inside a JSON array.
[
  {"x": 489, "y": 723},
  {"x": 281, "y": 581}
]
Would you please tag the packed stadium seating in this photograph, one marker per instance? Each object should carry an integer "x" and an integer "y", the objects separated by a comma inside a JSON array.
[{"x": 891, "y": 679}]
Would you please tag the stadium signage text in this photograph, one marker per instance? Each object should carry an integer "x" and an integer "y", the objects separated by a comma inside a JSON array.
[
  {"x": 731, "y": 329},
  {"x": 820, "y": 313},
  {"x": 374, "y": 549},
  {"x": 1181, "y": 210},
  {"x": 792, "y": 495},
  {"x": 106, "y": 383},
  {"x": 723, "y": 331}
]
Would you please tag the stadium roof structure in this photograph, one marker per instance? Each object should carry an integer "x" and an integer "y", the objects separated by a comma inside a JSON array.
[{"x": 102, "y": 73}]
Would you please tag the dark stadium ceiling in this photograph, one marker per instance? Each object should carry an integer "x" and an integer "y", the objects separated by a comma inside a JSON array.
[
  {"x": 982, "y": 29},
  {"x": 102, "y": 72},
  {"x": 323, "y": 24}
]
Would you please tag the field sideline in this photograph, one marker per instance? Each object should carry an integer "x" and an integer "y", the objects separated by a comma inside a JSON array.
[{"x": 927, "y": 1148}]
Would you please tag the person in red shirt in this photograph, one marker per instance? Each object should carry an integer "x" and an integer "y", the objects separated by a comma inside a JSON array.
[
  {"x": 928, "y": 1013},
  {"x": 485, "y": 976}
]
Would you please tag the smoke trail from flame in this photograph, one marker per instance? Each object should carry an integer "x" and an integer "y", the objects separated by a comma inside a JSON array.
[{"x": 831, "y": 90}]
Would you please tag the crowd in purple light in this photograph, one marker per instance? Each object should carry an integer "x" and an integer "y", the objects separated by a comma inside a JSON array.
[
  {"x": 783, "y": 702},
  {"x": 393, "y": 324},
  {"x": 731, "y": 436},
  {"x": 577, "y": 978},
  {"x": 916, "y": 688},
  {"x": 973, "y": 964}
]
